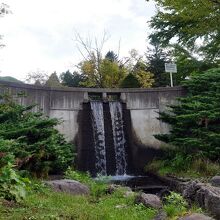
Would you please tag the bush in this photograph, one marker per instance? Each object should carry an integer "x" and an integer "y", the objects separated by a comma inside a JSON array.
[
  {"x": 30, "y": 139},
  {"x": 195, "y": 120},
  {"x": 12, "y": 186},
  {"x": 175, "y": 205},
  {"x": 184, "y": 166},
  {"x": 98, "y": 188}
]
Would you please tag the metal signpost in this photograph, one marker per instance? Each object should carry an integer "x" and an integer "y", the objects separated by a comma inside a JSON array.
[{"x": 171, "y": 68}]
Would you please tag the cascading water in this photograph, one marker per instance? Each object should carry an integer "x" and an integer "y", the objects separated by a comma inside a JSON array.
[
  {"x": 99, "y": 137},
  {"x": 118, "y": 136}
]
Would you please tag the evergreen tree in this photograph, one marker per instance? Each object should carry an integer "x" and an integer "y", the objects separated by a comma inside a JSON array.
[
  {"x": 71, "y": 79},
  {"x": 53, "y": 81},
  {"x": 30, "y": 140},
  {"x": 111, "y": 56},
  {"x": 130, "y": 81},
  {"x": 195, "y": 120},
  {"x": 156, "y": 59}
]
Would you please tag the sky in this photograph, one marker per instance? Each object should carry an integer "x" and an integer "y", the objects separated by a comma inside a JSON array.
[{"x": 40, "y": 34}]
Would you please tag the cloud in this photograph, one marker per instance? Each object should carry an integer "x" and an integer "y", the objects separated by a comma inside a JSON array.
[{"x": 39, "y": 34}]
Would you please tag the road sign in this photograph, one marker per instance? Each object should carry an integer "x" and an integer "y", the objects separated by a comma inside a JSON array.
[{"x": 170, "y": 68}]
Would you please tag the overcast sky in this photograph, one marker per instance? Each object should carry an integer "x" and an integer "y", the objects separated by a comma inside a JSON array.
[{"x": 39, "y": 34}]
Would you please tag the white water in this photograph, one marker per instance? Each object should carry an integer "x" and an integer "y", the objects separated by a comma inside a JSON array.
[
  {"x": 119, "y": 137},
  {"x": 99, "y": 137}
]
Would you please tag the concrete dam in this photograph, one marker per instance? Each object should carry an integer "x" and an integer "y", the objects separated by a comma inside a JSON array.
[{"x": 112, "y": 129}]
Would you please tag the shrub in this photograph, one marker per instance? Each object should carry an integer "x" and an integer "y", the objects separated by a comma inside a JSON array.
[
  {"x": 98, "y": 188},
  {"x": 30, "y": 137},
  {"x": 12, "y": 186},
  {"x": 195, "y": 120},
  {"x": 175, "y": 205}
]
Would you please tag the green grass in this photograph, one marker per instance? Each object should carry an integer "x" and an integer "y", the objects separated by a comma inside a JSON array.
[
  {"x": 197, "y": 169},
  {"x": 51, "y": 205},
  {"x": 42, "y": 203}
]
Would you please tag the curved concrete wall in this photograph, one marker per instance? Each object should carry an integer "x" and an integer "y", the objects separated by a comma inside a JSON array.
[{"x": 66, "y": 103}]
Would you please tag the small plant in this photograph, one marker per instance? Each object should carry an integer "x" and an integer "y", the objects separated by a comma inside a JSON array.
[
  {"x": 83, "y": 177},
  {"x": 12, "y": 186},
  {"x": 175, "y": 205},
  {"x": 98, "y": 188}
]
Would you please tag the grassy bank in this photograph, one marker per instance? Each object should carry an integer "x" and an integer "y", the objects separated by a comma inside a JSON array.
[
  {"x": 52, "y": 205},
  {"x": 182, "y": 167},
  {"x": 42, "y": 203}
]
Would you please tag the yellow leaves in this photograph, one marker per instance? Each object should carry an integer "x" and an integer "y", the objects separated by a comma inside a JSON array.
[{"x": 145, "y": 79}]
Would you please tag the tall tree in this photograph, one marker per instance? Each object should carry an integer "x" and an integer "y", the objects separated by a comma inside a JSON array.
[
  {"x": 111, "y": 56},
  {"x": 38, "y": 77},
  {"x": 156, "y": 59},
  {"x": 188, "y": 63},
  {"x": 144, "y": 77},
  {"x": 130, "y": 81},
  {"x": 195, "y": 119},
  {"x": 188, "y": 21},
  {"x": 53, "y": 81},
  {"x": 71, "y": 79},
  {"x": 91, "y": 51}
]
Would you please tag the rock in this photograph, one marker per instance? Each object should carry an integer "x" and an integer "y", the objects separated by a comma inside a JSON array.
[
  {"x": 149, "y": 200},
  {"x": 212, "y": 201},
  {"x": 162, "y": 215},
  {"x": 206, "y": 196},
  {"x": 196, "y": 216},
  {"x": 121, "y": 206},
  {"x": 215, "y": 181},
  {"x": 128, "y": 193},
  {"x": 113, "y": 187},
  {"x": 68, "y": 186}
]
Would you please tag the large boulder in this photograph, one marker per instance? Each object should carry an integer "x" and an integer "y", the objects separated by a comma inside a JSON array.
[
  {"x": 149, "y": 200},
  {"x": 68, "y": 186},
  {"x": 205, "y": 195},
  {"x": 196, "y": 216},
  {"x": 215, "y": 181}
]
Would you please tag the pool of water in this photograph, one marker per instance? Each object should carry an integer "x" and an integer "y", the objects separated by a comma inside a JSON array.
[{"x": 146, "y": 183}]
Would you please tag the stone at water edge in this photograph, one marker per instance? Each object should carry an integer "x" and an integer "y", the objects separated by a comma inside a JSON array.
[
  {"x": 149, "y": 200},
  {"x": 196, "y": 216},
  {"x": 215, "y": 181},
  {"x": 68, "y": 186},
  {"x": 114, "y": 187},
  {"x": 205, "y": 195}
]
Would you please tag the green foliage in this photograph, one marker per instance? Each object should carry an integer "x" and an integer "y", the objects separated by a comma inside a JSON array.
[
  {"x": 12, "y": 186},
  {"x": 54, "y": 205},
  {"x": 130, "y": 81},
  {"x": 71, "y": 79},
  {"x": 175, "y": 205},
  {"x": 187, "y": 21},
  {"x": 79, "y": 176},
  {"x": 177, "y": 164},
  {"x": 156, "y": 59},
  {"x": 107, "y": 74},
  {"x": 111, "y": 56},
  {"x": 195, "y": 125},
  {"x": 98, "y": 188},
  {"x": 144, "y": 77},
  {"x": 53, "y": 81},
  {"x": 31, "y": 139}
]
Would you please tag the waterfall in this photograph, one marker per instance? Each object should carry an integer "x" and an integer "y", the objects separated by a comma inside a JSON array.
[
  {"x": 118, "y": 136},
  {"x": 99, "y": 137}
]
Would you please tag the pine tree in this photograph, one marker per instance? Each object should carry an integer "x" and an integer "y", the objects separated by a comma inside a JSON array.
[{"x": 195, "y": 120}]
